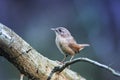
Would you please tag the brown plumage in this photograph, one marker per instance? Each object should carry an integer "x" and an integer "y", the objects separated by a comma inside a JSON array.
[{"x": 66, "y": 43}]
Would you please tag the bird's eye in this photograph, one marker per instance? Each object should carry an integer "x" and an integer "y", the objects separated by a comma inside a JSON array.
[{"x": 60, "y": 30}]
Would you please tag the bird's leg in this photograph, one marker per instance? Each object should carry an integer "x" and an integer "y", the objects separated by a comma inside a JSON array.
[
  {"x": 71, "y": 60},
  {"x": 21, "y": 76},
  {"x": 71, "y": 57},
  {"x": 64, "y": 58}
]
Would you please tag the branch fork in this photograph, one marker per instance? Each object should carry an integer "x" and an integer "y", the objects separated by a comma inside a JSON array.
[{"x": 33, "y": 64}]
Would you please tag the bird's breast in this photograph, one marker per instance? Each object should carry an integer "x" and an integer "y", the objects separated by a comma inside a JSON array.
[
  {"x": 63, "y": 46},
  {"x": 59, "y": 42}
]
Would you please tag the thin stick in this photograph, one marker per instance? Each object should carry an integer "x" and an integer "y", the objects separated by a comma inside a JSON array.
[
  {"x": 21, "y": 76},
  {"x": 67, "y": 63}
]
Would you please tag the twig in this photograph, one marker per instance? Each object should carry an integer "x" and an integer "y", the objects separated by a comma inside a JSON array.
[
  {"x": 55, "y": 69},
  {"x": 61, "y": 68},
  {"x": 21, "y": 76}
]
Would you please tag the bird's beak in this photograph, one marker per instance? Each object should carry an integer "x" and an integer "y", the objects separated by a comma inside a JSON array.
[{"x": 53, "y": 29}]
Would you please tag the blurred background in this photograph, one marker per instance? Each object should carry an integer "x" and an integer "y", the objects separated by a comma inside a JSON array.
[{"x": 96, "y": 22}]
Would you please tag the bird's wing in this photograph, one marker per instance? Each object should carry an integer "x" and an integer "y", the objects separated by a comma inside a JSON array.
[
  {"x": 76, "y": 47},
  {"x": 66, "y": 49},
  {"x": 73, "y": 45}
]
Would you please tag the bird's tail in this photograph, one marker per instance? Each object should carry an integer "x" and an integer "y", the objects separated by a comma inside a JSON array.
[{"x": 83, "y": 45}]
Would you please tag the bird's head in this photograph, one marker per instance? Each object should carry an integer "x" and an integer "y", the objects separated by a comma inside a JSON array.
[{"x": 61, "y": 31}]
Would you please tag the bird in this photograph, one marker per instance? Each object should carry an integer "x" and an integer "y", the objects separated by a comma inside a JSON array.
[{"x": 66, "y": 43}]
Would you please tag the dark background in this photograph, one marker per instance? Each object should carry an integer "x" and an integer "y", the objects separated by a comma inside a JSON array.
[{"x": 96, "y": 22}]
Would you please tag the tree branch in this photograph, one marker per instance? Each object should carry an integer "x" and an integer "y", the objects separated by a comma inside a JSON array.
[
  {"x": 59, "y": 69},
  {"x": 35, "y": 66},
  {"x": 27, "y": 60}
]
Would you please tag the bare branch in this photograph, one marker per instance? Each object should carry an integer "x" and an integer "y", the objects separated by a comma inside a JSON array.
[
  {"x": 94, "y": 63},
  {"x": 83, "y": 59},
  {"x": 27, "y": 60},
  {"x": 35, "y": 66}
]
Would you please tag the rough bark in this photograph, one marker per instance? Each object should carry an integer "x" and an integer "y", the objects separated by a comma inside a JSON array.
[{"x": 27, "y": 60}]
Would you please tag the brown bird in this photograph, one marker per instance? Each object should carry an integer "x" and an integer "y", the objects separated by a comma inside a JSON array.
[{"x": 66, "y": 43}]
